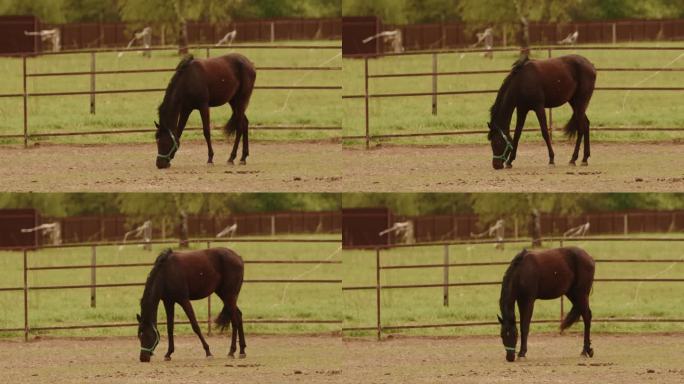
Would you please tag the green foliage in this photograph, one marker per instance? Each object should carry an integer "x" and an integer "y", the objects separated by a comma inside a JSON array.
[
  {"x": 90, "y": 10},
  {"x": 51, "y": 11}
]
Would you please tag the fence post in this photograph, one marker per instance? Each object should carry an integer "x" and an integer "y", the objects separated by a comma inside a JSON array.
[
  {"x": 550, "y": 125},
  {"x": 446, "y": 275},
  {"x": 92, "y": 83},
  {"x": 626, "y": 224},
  {"x": 25, "y": 104},
  {"x": 377, "y": 291},
  {"x": 365, "y": 63},
  {"x": 272, "y": 31},
  {"x": 614, "y": 33},
  {"x": 208, "y": 52},
  {"x": 273, "y": 226},
  {"x": 434, "y": 83},
  {"x": 26, "y": 322},
  {"x": 561, "y": 310},
  {"x": 93, "y": 278},
  {"x": 504, "y": 36}
]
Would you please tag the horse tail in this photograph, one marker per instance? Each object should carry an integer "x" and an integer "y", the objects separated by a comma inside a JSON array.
[
  {"x": 572, "y": 127},
  {"x": 223, "y": 319},
  {"x": 246, "y": 74},
  {"x": 571, "y": 318}
]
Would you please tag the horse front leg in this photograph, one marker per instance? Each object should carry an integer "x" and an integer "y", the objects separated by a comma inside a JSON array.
[
  {"x": 525, "y": 308},
  {"x": 169, "y": 306},
  {"x": 206, "y": 128},
  {"x": 245, "y": 140},
  {"x": 187, "y": 307},
  {"x": 541, "y": 116},
  {"x": 520, "y": 122}
]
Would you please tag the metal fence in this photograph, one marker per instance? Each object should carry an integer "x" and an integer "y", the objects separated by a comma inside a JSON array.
[
  {"x": 433, "y": 74},
  {"x": 93, "y": 73},
  {"x": 379, "y": 326},
  {"x": 94, "y": 286}
]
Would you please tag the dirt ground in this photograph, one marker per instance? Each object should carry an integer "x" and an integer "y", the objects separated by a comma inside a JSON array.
[
  {"x": 613, "y": 167},
  {"x": 622, "y": 359},
  {"x": 270, "y": 359},
  {"x": 282, "y": 167}
]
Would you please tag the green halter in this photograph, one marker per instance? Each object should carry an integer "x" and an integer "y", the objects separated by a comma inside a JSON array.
[
  {"x": 512, "y": 349},
  {"x": 507, "y": 151},
  {"x": 173, "y": 150},
  {"x": 156, "y": 342}
]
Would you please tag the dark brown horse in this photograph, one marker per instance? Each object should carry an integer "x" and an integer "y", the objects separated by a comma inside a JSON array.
[
  {"x": 545, "y": 275},
  {"x": 533, "y": 85},
  {"x": 200, "y": 84},
  {"x": 181, "y": 277}
]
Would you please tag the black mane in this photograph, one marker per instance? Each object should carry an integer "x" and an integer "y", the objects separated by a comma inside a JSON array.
[
  {"x": 158, "y": 263},
  {"x": 168, "y": 95},
  {"x": 506, "y": 284},
  {"x": 502, "y": 90}
]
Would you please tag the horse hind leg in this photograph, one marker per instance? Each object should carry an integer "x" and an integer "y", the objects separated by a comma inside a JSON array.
[
  {"x": 245, "y": 139},
  {"x": 578, "y": 141},
  {"x": 583, "y": 304},
  {"x": 241, "y": 332},
  {"x": 231, "y": 127},
  {"x": 585, "y": 133}
]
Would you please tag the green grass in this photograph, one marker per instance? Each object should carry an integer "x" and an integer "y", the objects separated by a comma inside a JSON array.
[
  {"x": 467, "y": 112},
  {"x": 257, "y": 300},
  {"x": 480, "y": 303},
  {"x": 139, "y": 110}
]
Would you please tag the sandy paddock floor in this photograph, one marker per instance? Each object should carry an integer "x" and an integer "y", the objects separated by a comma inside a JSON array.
[{"x": 613, "y": 167}]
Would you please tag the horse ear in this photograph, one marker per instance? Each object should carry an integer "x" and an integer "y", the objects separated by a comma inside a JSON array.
[
  {"x": 500, "y": 319},
  {"x": 489, "y": 126},
  {"x": 137, "y": 316},
  {"x": 156, "y": 124}
]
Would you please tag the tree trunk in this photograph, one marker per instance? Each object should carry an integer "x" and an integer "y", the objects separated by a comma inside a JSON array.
[{"x": 183, "y": 38}]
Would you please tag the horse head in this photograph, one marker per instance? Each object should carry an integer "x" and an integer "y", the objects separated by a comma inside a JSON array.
[
  {"x": 501, "y": 143},
  {"x": 509, "y": 337},
  {"x": 149, "y": 339},
  {"x": 167, "y": 145}
]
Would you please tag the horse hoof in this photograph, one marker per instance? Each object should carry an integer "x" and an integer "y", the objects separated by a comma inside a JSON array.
[
  {"x": 551, "y": 163},
  {"x": 509, "y": 165},
  {"x": 588, "y": 353},
  {"x": 243, "y": 355},
  {"x": 572, "y": 163},
  {"x": 522, "y": 358},
  {"x": 167, "y": 358},
  {"x": 584, "y": 163},
  {"x": 243, "y": 162},
  {"x": 231, "y": 162},
  {"x": 210, "y": 163}
]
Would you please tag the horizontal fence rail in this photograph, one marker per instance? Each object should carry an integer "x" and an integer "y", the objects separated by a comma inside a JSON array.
[
  {"x": 446, "y": 265},
  {"x": 93, "y": 73},
  {"x": 435, "y": 74},
  {"x": 27, "y": 288}
]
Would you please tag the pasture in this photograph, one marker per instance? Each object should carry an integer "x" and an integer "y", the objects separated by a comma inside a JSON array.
[
  {"x": 313, "y": 301},
  {"x": 614, "y": 109},
  {"x": 481, "y": 303},
  {"x": 139, "y": 110}
]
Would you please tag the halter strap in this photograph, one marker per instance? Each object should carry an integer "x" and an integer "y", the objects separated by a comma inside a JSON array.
[
  {"x": 512, "y": 349},
  {"x": 156, "y": 342},
  {"x": 507, "y": 151},
  {"x": 174, "y": 148}
]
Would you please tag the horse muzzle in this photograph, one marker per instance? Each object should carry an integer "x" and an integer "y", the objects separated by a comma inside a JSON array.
[
  {"x": 510, "y": 356},
  {"x": 497, "y": 164},
  {"x": 163, "y": 163},
  {"x": 145, "y": 357}
]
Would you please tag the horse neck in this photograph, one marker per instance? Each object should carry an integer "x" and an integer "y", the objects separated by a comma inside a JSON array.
[
  {"x": 504, "y": 113},
  {"x": 169, "y": 112},
  {"x": 507, "y": 299},
  {"x": 150, "y": 301}
]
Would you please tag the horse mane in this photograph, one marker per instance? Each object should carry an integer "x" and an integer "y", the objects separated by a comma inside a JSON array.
[
  {"x": 505, "y": 284},
  {"x": 504, "y": 86},
  {"x": 168, "y": 95},
  {"x": 158, "y": 263}
]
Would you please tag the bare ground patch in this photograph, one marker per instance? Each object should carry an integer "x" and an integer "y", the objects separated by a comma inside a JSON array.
[
  {"x": 613, "y": 167},
  {"x": 550, "y": 359},
  {"x": 270, "y": 359},
  {"x": 271, "y": 167}
]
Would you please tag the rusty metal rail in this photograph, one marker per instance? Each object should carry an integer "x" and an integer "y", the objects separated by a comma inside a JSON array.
[
  {"x": 434, "y": 93},
  {"x": 445, "y": 284}
]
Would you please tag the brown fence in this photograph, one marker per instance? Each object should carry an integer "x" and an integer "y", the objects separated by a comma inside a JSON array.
[
  {"x": 109, "y": 35},
  {"x": 434, "y": 75},
  {"x": 94, "y": 286},
  {"x": 445, "y": 284},
  {"x": 100, "y": 228},
  {"x": 93, "y": 73},
  {"x": 429, "y": 228},
  {"x": 458, "y": 35}
]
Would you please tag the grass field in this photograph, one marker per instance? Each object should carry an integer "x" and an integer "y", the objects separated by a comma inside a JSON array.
[
  {"x": 466, "y": 112},
  {"x": 257, "y": 300},
  {"x": 480, "y": 303},
  {"x": 139, "y": 110}
]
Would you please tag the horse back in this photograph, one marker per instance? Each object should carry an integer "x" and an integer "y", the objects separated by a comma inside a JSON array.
[
  {"x": 559, "y": 270},
  {"x": 223, "y": 77},
  {"x": 204, "y": 271}
]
